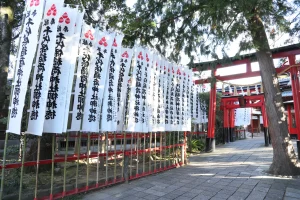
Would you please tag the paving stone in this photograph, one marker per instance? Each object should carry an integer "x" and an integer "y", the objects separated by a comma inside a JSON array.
[{"x": 232, "y": 172}]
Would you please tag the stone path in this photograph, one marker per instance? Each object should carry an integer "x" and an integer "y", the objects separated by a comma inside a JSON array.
[{"x": 233, "y": 171}]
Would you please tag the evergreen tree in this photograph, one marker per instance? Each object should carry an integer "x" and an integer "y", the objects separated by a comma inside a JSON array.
[{"x": 206, "y": 25}]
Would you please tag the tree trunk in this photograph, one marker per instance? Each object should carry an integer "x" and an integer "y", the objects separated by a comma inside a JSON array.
[
  {"x": 5, "y": 41},
  {"x": 284, "y": 157}
]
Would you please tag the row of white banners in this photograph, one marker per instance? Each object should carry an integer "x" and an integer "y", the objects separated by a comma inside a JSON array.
[{"x": 81, "y": 79}]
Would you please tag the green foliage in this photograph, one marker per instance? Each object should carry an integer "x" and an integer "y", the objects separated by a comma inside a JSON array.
[
  {"x": 197, "y": 145},
  {"x": 203, "y": 26}
]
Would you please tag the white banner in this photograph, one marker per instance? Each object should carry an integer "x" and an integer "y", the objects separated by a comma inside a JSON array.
[
  {"x": 188, "y": 95},
  {"x": 85, "y": 54},
  {"x": 26, "y": 53},
  {"x": 242, "y": 116},
  {"x": 59, "y": 80},
  {"x": 146, "y": 103},
  {"x": 160, "y": 119},
  {"x": 75, "y": 49},
  {"x": 134, "y": 123},
  {"x": 184, "y": 101},
  {"x": 96, "y": 81},
  {"x": 126, "y": 57},
  {"x": 178, "y": 96},
  {"x": 153, "y": 95},
  {"x": 109, "y": 111},
  {"x": 167, "y": 96},
  {"x": 43, "y": 67}
]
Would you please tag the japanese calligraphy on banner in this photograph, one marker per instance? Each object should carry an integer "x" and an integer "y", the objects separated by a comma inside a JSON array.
[
  {"x": 59, "y": 80},
  {"x": 177, "y": 113},
  {"x": 160, "y": 118},
  {"x": 96, "y": 81},
  {"x": 152, "y": 95},
  {"x": 43, "y": 66},
  {"x": 85, "y": 54},
  {"x": 134, "y": 123},
  {"x": 109, "y": 111},
  {"x": 26, "y": 53},
  {"x": 146, "y": 103},
  {"x": 188, "y": 119},
  {"x": 126, "y": 56},
  {"x": 167, "y": 95},
  {"x": 184, "y": 101},
  {"x": 75, "y": 49}
]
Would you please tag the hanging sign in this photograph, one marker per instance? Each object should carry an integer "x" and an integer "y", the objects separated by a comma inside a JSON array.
[
  {"x": 160, "y": 98},
  {"x": 109, "y": 111},
  {"x": 56, "y": 101},
  {"x": 167, "y": 95},
  {"x": 126, "y": 56},
  {"x": 97, "y": 77},
  {"x": 26, "y": 53},
  {"x": 43, "y": 67}
]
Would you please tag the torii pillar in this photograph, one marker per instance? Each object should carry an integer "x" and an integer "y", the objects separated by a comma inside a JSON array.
[
  {"x": 296, "y": 96},
  {"x": 210, "y": 140}
]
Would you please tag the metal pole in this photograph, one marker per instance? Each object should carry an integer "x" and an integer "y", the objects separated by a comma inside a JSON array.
[
  {"x": 150, "y": 142},
  {"x": 155, "y": 152},
  {"x": 98, "y": 160},
  {"x": 22, "y": 167},
  {"x": 174, "y": 160},
  {"x": 52, "y": 166},
  {"x": 131, "y": 154},
  {"x": 88, "y": 161},
  {"x": 178, "y": 148},
  {"x": 144, "y": 153},
  {"x": 169, "y": 134},
  {"x": 37, "y": 167},
  {"x": 3, "y": 166},
  {"x": 65, "y": 166},
  {"x": 78, "y": 156},
  {"x": 106, "y": 160},
  {"x": 160, "y": 149},
  {"x": 165, "y": 150},
  {"x": 137, "y": 154},
  {"x": 123, "y": 160},
  {"x": 115, "y": 153}
]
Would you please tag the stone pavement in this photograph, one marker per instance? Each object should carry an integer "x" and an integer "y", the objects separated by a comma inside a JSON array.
[{"x": 233, "y": 171}]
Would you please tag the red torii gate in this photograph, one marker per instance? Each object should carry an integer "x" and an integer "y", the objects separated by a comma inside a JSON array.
[{"x": 289, "y": 52}]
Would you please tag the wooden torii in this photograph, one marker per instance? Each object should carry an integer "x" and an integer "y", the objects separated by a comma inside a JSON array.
[{"x": 289, "y": 52}]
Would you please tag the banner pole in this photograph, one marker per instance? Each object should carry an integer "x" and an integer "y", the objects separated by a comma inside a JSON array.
[
  {"x": 37, "y": 167},
  {"x": 22, "y": 167},
  {"x": 106, "y": 160},
  {"x": 115, "y": 161},
  {"x": 131, "y": 144},
  {"x": 78, "y": 156},
  {"x": 137, "y": 154},
  {"x": 150, "y": 142},
  {"x": 123, "y": 159},
  {"x": 160, "y": 150},
  {"x": 155, "y": 152},
  {"x": 144, "y": 153},
  {"x": 65, "y": 164},
  {"x": 98, "y": 160},
  {"x": 88, "y": 161},
  {"x": 3, "y": 166},
  {"x": 52, "y": 166},
  {"x": 169, "y": 146}
]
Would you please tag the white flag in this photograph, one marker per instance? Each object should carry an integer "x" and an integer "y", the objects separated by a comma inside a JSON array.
[
  {"x": 109, "y": 111},
  {"x": 43, "y": 67},
  {"x": 85, "y": 56},
  {"x": 134, "y": 123},
  {"x": 59, "y": 80},
  {"x": 26, "y": 53},
  {"x": 75, "y": 50},
  {"x": 126, "y": 57},
  {"x": 96, "y": 81},
  {"x": 160, "y": 119}
]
